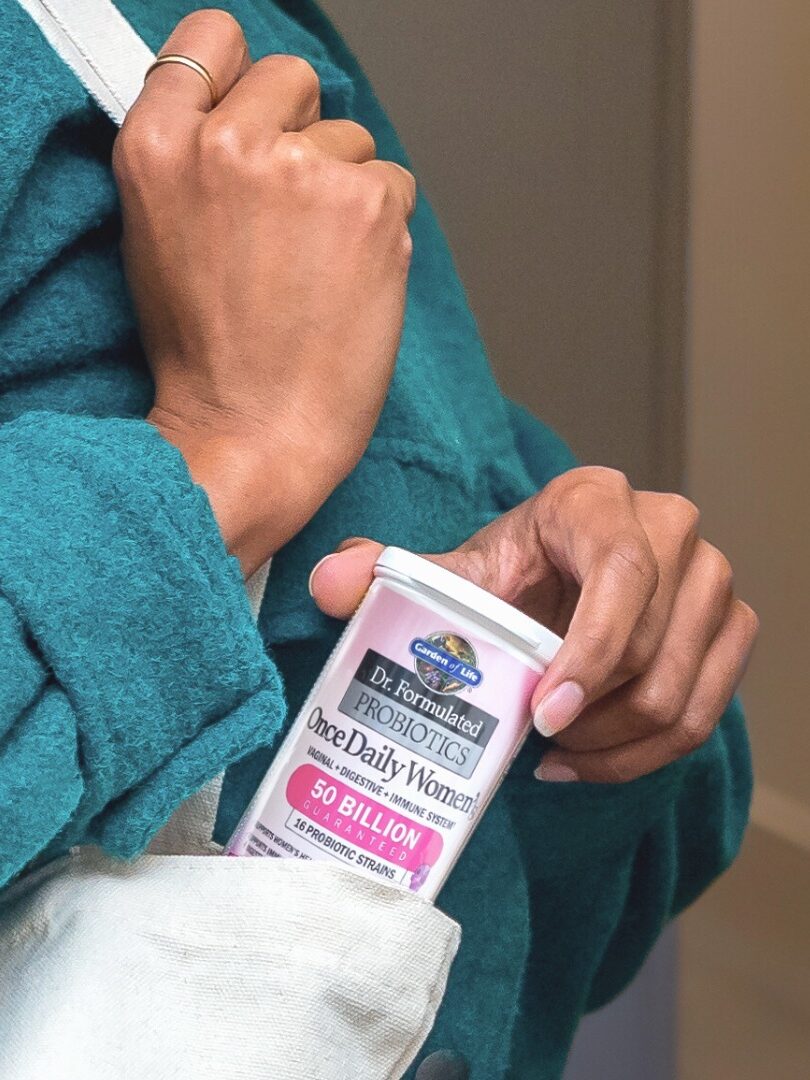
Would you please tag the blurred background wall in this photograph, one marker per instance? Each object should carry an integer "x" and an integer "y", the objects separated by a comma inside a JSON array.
[
  {"x": 746, "y": 947},
  {"x": 649, "y": 299},
  {"x": 548, "y": 136}
]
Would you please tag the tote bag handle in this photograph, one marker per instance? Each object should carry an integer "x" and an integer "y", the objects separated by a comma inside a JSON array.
[{"x": 99, "y": 45}]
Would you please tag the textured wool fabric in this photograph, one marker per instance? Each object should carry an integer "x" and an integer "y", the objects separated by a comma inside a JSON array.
[
  {"x": 564, "y": 887},
  {"x": 206, "y": 967},
  {"x": 134, "y": 660}
]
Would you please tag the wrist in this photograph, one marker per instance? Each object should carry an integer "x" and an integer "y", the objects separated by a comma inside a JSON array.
[{"x": 228, "y": 469}]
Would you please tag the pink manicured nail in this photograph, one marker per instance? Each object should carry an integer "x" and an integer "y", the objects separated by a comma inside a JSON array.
[
  {"x": 558, "y": 708},
  {"x": 317, "y": 567},
  {"x": 554, "y": 772}
]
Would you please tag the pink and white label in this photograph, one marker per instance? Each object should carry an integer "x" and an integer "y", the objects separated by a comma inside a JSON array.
[
  {"x": 361, "y": 821},
  {"x": 398, "y": 749}
]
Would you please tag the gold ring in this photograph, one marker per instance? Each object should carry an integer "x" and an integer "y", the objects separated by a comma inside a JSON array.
[{"x": 195, "y": 65}]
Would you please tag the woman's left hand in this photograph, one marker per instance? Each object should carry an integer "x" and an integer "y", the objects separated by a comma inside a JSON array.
[{"x": 655, "y": 640}]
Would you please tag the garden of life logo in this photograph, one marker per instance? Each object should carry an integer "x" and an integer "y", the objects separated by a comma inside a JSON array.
[{"x": 445, "y": 663}]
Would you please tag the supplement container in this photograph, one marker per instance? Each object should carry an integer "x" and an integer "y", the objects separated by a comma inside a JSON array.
[{"x": 407, "y": 733}]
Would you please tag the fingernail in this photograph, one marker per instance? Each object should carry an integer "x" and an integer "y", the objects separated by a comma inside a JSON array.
[
  {"x": 317, "y": 567},
  {"x": 558, "y": 708},
  {"x": 349, "y": 542},
  {"x": 555, "y": 772}
]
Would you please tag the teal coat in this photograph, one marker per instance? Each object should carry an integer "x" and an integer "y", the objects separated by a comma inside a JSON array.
[{"x": 131, "y": 670}]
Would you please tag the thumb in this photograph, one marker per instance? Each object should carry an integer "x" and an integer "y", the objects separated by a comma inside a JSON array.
[{"x": 339, "y": 581}]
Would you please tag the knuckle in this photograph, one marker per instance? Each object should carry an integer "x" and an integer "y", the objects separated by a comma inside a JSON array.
[
  {"x": 292, "y": 153},
  {"x": 749, "y": 619},
  {"x": 295, "y": 166},
  {"x": 294, "y": 161},
  {"x": 405, "y": 249},
  {"x": 572, "y": 496},
  {"x": 687, "y": 512},
  {"x": 553, "y": 490},
  {"x": 658, "y": 704},
  {"x": 639, "y": 655},
  {"x": 720, "y": 571},
  {"x": 370, "y": 198},
  {"x": 219, "y": 24},
  {"x": 300, "y": 72},
  {"x": 364, "y": 136},
  {"x": 612, "y": 479},
  {"x": 579, "y": 483},
  {"x": 223, "y": 143},
  {"x": 681, "y": 514},
  {"x": 477, "y": 562},
  {"x": 143, "y": 146},
  {"x": 691, "y": 734},
  {"x": 579, "y": 491},
  {"x": 570, "y": 486},
  {"x": 406, "y": 176},
  {"x": 632, "y": 558}
]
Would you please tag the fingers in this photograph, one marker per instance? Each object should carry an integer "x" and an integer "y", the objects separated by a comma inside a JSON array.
[
  {"x": 339, "y": 581},
  {"x": 212, "y": 38},
  {"x": 656, "y": 699},
  {"x": 257, "y": 102},
  {"x": 656, "y": 644},
  {"x": 397, "y": 180},
  {"x": 722, "y": 669},
  {"x": 278, "y": 93},
  {"x": 595, "y": 535},
  {"x": 721, "y": 674},
  {"x": 342, "y": 139}
]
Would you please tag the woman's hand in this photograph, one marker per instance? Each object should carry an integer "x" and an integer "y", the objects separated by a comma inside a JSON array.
[
  {"x": 655, "y": 640},
  {"x": 267, "y": 254}
]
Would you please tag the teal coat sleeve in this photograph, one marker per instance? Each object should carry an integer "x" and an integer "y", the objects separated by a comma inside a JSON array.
[
  {"x": 609, "y": 865},
  {"x": 132, "y": 671}
]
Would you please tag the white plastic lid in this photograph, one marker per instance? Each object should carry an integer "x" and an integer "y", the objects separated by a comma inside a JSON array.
[{"x": 477, "y": 603}]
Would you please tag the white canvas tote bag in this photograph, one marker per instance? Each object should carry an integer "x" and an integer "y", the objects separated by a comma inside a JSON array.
[{"x": 184, "y": 964}]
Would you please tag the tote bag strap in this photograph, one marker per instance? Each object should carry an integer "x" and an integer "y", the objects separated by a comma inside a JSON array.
[
  {"x": 96, "y": 41},
  {"x": 111, "y": 59}
]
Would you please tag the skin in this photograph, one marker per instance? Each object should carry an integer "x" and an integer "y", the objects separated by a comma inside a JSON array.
[
  {"x": 254, "y": 233},
  {"x": 655, "y": 641}
]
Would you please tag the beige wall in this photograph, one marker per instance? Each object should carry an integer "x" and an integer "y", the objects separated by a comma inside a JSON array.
[
  {"x": 749, "y": 386},
  {"x": 747, "y": 947},
  {"x": 541, "y": 132},
  {"x": 549, "y": 135}
]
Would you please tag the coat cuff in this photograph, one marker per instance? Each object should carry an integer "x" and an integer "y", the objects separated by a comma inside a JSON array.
[{"x": 116, "y": 570}]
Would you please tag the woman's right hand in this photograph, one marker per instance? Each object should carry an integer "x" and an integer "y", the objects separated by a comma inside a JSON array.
[{"x": 267, "y": 254}]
